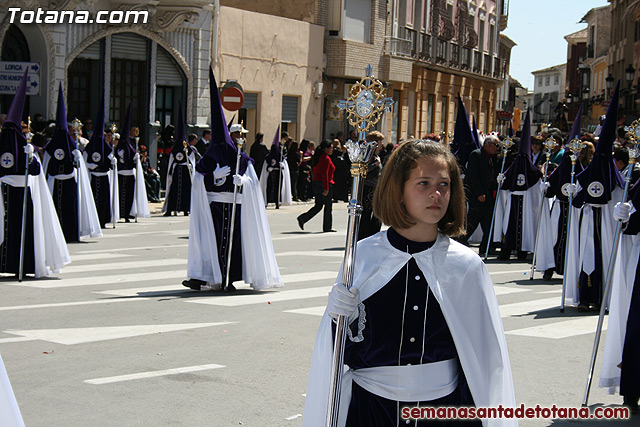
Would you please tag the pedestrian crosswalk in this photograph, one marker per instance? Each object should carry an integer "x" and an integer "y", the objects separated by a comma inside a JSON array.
[{"x": 112, "y": 272}]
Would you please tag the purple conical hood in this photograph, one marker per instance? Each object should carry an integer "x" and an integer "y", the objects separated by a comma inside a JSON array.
[
  {"x": 522, "y": 174},
  {"x": 562, "y": 174},
  {"x": 221, "y": 149},
  {"x": 463, "y": 141},
  {"x": 125, "y": 138},
  {"x": 181, "y": 131},
  {"x": 12, "y": 139},
  {"x": 601, "y": 176},
  {"x": 61, "y": 146},
  {"x": 17, "y": 105},
  {"x": 475, "y": 134},
  {"x": 576, "y": 129},
  {"x": 61, "y": 113},
  {"x": 608, "y": 132},
  {"x": 180, "y": 137},
  {"x": 273, "y": 158},
  {"x": 97, "y": 144}
]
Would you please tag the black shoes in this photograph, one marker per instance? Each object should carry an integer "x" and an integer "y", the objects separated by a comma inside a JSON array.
[
  {"x": 167, "y": 213},
  {"x": 301, "y": 223},
  {"x": 329, "y": 231},
  {"x": 547, "y": 274},
  {"x": 229, "y": 288},
  {"x": 194, "y": 284}
]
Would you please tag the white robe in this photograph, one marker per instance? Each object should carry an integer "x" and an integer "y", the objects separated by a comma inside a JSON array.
[
  {"x": 49, "y": 246},
  {"x": 112, "y": 174},
  {"x": 461, "y": 283},
  {"x": 530, "y": 211},
  {"x": 259, "y": 266},
  {"x": 581, "y": 236},
  {"x": 624, "y": 275},
  {"x": 88, "y": 221},
  {"x": 285, "y": 190},
  {"x": 9, "y": 411},
  {"x": 140, "y": 205},
  {"x": 192, "y": 160},
  {"x": 548, "y": 234}
]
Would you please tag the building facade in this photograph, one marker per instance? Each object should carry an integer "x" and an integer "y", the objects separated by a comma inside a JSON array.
[
  {"x": 294, "y": 61},
  {"x": 156, "y": 66},
  {"x": 548, "y": 94}
]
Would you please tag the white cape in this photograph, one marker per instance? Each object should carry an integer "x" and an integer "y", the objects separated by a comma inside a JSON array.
[
  {"x": 259, "y": 266},
  {"x": 192, "y": 160},
  {"x": 285, "y": 190},
  {"x": 50, "y": 248},
  {"x": 140, "y": 205},
  {"x": 461, "y": 283},
  {"x": 112, "y": 174},
  {"x": 9, "y": 411},
  {"x": 581, "y": 236},
  {"x": 624, "y": 274},
  {"x": 88, "y": 221},
  {"x": 548, "y": 234},
  {"x": 530, "y": 210}
]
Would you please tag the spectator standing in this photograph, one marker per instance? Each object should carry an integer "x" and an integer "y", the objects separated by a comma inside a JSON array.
[
  {"x": 323, "y": 170},
  {"x": 304, "y": 175},
  {"x": 369, "y": 224},
  {"x": 342, "y": 175},
  {"x": 480, "y": 183},
  {"x": 293, "y": 160},
  {"x": 258, "y": 153}
]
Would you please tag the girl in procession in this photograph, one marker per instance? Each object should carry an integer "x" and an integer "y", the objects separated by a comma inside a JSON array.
[{"x": 424, "y": 325}]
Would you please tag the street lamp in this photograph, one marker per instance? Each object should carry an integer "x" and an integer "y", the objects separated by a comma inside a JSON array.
[
  {"x": 629, "y": 73},
  {"x": 609, "y": 81},
  {"x": 585, "y": 92}
]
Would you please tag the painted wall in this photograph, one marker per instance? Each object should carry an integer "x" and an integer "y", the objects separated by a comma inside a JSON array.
[{"x": 273, "y": 57}]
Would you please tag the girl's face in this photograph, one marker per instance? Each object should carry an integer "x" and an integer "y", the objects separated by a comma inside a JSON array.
[{"x": 426, "y": 196}]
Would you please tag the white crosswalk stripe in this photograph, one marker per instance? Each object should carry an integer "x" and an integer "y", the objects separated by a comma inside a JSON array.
[
  {"x": 127, "y": 265},
  {"x": 152, "y": 374}
]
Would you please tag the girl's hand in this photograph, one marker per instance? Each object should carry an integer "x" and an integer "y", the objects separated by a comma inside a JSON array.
[
  {"x": 325, "y": 192},
  {"x": 343, "y": 302}
]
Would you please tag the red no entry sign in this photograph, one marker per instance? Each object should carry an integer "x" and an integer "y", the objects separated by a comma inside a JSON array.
[{"x": 232, "y": 98}]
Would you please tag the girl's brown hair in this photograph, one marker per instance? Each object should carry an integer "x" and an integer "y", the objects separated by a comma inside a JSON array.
[{"x": 387, "y": 199}]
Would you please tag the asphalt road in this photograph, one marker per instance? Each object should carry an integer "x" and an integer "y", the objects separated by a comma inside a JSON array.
[{"x": 116, "y": 340}]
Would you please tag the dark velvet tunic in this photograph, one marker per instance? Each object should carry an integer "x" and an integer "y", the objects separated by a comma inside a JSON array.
[
  {"x": 65, "y": 197},
  {"x": 180, "y": 190},
  {"x": 590, "y": 286},
  {"x": 630, "y": 368},
  {"x": 398, "y": 310},
  {"x": 10, "y": 247},
  {"x": 221, "y": 214},
  {"x": 100, "y": 187}
]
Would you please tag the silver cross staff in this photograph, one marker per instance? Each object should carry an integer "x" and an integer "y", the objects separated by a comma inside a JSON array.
[
  {"x": 28, "y": 149},
  {"x": 633, "y": 155},
  {"x": 77, "y": 125},
  {"x": 365, "y": 106},
  {"x": 575, "y": 146},
  {"x": 506, "y": 145},
  {"x": 549, "y": 145}
]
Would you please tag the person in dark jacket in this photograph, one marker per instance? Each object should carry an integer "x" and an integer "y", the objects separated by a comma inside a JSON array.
[
  {"x": 480, "y": 183},
  {"x": 258, "y": 153}
]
